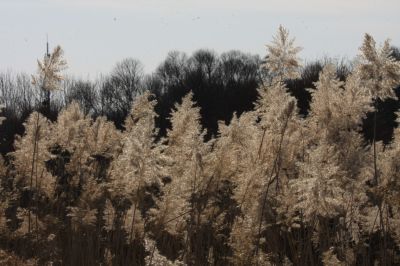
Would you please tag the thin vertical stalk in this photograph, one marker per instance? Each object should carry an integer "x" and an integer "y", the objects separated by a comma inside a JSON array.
[
  {"x": 374, "y": 148},
  {"x": 270, "y": 180},
  {"x": 35, "y": 148},
  {"x": 376, "y": 180}
]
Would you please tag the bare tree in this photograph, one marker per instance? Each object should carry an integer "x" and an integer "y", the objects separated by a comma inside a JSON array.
[
  {"x": 83, "y": 92},
  {"x": 118, "y": 90}
]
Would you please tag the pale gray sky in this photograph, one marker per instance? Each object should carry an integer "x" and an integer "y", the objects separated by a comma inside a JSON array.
[{"x": 95, "y": 34}]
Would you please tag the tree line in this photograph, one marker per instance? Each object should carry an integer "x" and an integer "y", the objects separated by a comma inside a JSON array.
[{"x": 221, "y": 84}]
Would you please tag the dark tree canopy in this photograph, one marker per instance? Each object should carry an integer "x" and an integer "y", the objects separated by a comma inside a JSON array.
[{"x": 222, "y": 84}]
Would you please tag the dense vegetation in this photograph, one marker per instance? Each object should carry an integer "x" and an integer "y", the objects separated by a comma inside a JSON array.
[{"x": 259, "y": 162}]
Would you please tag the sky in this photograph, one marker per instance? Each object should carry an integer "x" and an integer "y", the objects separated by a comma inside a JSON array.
[{"x": 96, "y": 34}]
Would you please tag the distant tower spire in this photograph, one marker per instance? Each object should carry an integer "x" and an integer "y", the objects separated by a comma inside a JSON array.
[
  {"x": 47, "y": 46},
  {"x": 46, "y": 97}
]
